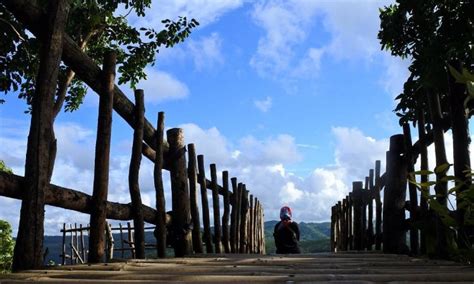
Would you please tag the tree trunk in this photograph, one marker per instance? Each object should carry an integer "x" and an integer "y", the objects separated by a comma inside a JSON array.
[
  {"x": 101, "y": 166},
  {"x": 28, "y": 252}
]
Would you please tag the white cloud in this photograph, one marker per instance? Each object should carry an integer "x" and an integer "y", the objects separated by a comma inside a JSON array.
[
  {"x": 204, "y": 11},
  {"x": 263, "y": 105},
  {"x": 205, "y": 52},
  {"x": 161, "y": 86}
]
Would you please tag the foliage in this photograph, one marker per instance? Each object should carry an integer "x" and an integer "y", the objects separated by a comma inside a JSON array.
[
  {"x": 5, "y": 168},
  {"x": 6, "y": 247},
  {"x": 432, "y": 34},
  {"x": 96, "y": 27},
  {"x": 464, "y": 193}
]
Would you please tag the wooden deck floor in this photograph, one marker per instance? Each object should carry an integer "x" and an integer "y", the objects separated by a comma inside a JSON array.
[{"x": 307, "y": 268}]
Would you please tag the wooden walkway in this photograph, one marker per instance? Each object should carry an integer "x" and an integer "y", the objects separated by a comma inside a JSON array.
[{"x": 307, "y": 268}]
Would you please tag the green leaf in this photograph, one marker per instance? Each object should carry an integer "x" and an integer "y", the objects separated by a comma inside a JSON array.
[
  {"x": 441, "y": 169},
  {"x": 457, "y": 76},
  {"x": 423, "y": 172}
]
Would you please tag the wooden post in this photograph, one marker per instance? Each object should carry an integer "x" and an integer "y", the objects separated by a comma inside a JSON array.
[
  {"x": 423, "y": 178},
  {"x": 357, "y": 198},
  {"x": 160, "y": 230},
  {"x": 71, "y": 244},
  {"x": 344, "y": 224},
  {"x": 110, "y": 242},
  {"x": 83, "y": 249},
  {"x": 239, "y": 217},
  {"x": 101, "y": 165},
  {"x": 131, "y": 241},
  {"x": 370, "y": 227},
  {"x": 28, "y": 252},
  {"x": 333, "y": 228},
  {"x": 121, "y": 240},
  {"x": 63, "y": 256},
  {"x": 365, "y": 197},
  {"x": 215, "y": 206},
  {"x": 250, "y": 226},
  {"x": 233, "y": 216},
  {"x": 378, "y": 207},
  {"x": 255, "y": 226},
  {"x": 262, "y": 231},
  {"x": 350, "y": 221},
  {"x": 205, "y": 205},
  {"x": 180, "y": 193},
  {"x": 138, "y": 223},
  {"x": 225, "y": 216},
  {"x": 394, "y": 198},
  {"x": 410, "y": 160},
  {"x": 244, "y": 219},
  {"x": 192, "y": 174}
]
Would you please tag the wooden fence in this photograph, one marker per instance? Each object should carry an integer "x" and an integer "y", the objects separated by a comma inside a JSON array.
[
  {"x": 239, "y": 230},
  {"x": 387, "y": 212}
]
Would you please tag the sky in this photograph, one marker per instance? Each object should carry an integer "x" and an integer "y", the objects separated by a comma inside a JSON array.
[{"x": 294, "y": 98}]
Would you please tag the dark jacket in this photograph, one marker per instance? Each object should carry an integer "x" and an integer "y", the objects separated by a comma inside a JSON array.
[{"x": 287, "y": 238}]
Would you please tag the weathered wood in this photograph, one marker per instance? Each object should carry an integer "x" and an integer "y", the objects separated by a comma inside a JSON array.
[
  {"x": 461, "y": 157},
  {"x": 133, "y": 176},
  {"x": 357, "y": 201},
  {"x": 233, "y": 216},
  {"x": 180, "y": 194},
  {"x": 344, "y": 224},
  {"x": 239, "y": 216},
  {"x": 11, "y": 185},
  {"x": 378, "y": 207},
  {"x": 63, "y": 255},
  {"x": 225, "y": 216},
  {"x": 28, "y": 252},
  {"x": 333, "y": 228},
  {"x": 131, "y": 241},
  {"x": 161, "y": 230},
  {"x": 110, "y": 242},
  {"x": 350, "y": 220},
  {"x": 84, "y": 250},
  {"x": 423, "y": 178},
  {"x": 394, "y": 198},
  {"x": 370, "y": 218},
  {"x": 205, "y": 205},
  {"x": 216, "y": 210},
  {"x": 365, "y": 197},
  {"x": 441, "y": 187},
  {"x": 255, "y": 226},
  {"x": 244, "y": 219},
  {"x": 250, "y": 225},
  {"x": 192, "y": 175},
  {"x": 414, "y": 246},
  {"x": 101, "y": 164}
]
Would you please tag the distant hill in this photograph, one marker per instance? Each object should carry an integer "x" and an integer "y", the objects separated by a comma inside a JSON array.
[{"x": 314, "y": 237}]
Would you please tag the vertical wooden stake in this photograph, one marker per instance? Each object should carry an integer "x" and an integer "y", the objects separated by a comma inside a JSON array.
[
  {"x": 357, "y": 198},
  {"x": 370, "y": 227},
  {"x": 233, "y": 216},
  {"x": 244, "y": 219},
  {"x": 378, "y": 207},
  {"x": 192, "y": 174},
  {"x": 394, "y": 198},
  {"x": 102, "y": 158},
  {"x": 250, "y": 226},
  {"x": 239, "y": 217},
  {"x": 135, "y": 161},
  {"x": 225, "y": 216},
  {"x": 350, "y": 222},
  {"x": 410, "y": 160},
  {"x": 215, "y": 205},
  {"x": 160, "y": 230},
  {"x": 423, "y": 178},
  {"x": 180, "y": 193},
  {"x": 205, "y": 205}
]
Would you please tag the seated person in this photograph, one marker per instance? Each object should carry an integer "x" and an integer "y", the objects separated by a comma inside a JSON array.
[{"x": 286, "y": 233}]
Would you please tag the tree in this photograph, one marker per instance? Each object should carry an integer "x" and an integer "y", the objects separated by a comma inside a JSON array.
[
  {"x": 6, "y": 247},
  {"x": 434, "y": 34},
  {"x": 5, "y": 168},
  {"x": 95, "y": 28}
]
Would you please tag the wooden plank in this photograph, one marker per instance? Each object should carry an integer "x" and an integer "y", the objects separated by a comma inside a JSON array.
[
  {"x": 216, "y": 210},
  {"x": 225, "y": 216},
  {"x": 205, "y": 205}
]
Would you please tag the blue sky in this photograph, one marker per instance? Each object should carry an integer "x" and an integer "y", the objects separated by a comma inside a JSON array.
[{"x": 294, "y": 98}]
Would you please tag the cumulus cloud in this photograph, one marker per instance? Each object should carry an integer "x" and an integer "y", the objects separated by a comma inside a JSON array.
[
  {"x": 259, "y": 163},
  {"x": 263, "y": 105},
  {"x": 161, "y": 86},
  {"x": 205, "y": 52}
]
